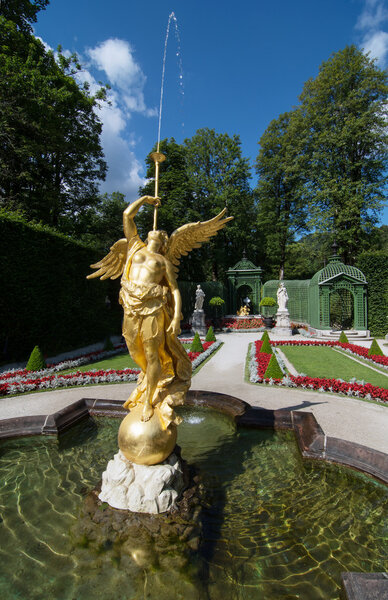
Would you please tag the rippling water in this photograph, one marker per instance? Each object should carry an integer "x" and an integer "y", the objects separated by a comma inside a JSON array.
[{"x": 275, "y": 526}]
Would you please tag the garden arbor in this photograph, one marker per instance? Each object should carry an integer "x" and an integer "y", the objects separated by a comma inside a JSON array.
[
  {"x": 338, "y": 297},
  {"x": 244, "y": 279},
  {"x": 334, "y": 298}
]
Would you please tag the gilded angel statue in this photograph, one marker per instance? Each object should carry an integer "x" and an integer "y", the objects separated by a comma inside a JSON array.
[{"x": 152, "y": 306}]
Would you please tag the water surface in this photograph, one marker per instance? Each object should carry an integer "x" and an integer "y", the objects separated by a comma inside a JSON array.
[{"x": 274, "y": 526}]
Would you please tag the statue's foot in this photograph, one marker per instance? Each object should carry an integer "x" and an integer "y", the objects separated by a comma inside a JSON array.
[{"x": 148, "y": 411}]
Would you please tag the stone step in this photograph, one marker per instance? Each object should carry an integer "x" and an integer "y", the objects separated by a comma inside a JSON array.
[{"x": 350, "y": 334}]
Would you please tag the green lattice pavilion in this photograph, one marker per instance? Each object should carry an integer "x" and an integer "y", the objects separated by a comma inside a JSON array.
[
  {"x": 334, "y": 298},
  {"x": 244, "y": 279}
]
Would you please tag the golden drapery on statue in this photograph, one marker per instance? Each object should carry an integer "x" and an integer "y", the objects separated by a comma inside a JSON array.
[{"x": 152, "y": 307}]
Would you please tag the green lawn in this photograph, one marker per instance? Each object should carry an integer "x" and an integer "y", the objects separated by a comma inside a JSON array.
[
  {"x": 120, "y": 361},
  {"x": 325, "y": 362}
]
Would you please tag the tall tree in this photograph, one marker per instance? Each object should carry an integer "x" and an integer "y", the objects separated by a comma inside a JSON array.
[
  {"x": 50, "y": 153},
  {"x": 282, "y": 211},
  {"x": 98, "y": 225},
  {"x": 176, "y": 202},
  {"x": 197, "y": 180},
  {"x": 219, "y": 177},
  {"x": 22, "y": 12},
  {"x": 344, "y": 112}
]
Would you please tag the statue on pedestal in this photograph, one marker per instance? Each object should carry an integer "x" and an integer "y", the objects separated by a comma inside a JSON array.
[
  {"x": 283, "y": 325},
  {"x": 152, "y": 311},
  {"x": 282, "y": 297},
  {"x": 198, "y": 316},
  {"x": 199, "y": 298}
]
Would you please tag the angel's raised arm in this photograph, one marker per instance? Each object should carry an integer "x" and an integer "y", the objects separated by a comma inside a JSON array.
[{"x": 130, "y": 229}]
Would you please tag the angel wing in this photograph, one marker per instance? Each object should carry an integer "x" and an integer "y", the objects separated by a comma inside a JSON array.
[
  {"x": 112, "y": 265},
  {"x": 193, "y": 235}
]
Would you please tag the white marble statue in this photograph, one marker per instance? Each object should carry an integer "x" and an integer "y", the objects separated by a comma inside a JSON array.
[
  {"x": 282, "y": 297},
  {"x": 199, "y": 298}
]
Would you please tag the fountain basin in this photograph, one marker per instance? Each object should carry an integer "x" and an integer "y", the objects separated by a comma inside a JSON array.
[{"x": 273, "y": 525}]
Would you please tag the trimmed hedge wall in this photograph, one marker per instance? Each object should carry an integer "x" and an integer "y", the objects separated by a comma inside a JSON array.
[
  {"x": 211, "y": 288},
  {"x": 45, "y": 297},
  {"x": 374, "y": 265}
]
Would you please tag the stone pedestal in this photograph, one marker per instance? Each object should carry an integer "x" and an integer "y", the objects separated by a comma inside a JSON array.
[
  {"x": 151, "y": 489},
  {"x": 283, "y": 325},
  {"x": 198, "y": 322}
]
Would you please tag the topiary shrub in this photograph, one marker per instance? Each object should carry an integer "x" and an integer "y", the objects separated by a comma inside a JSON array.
[
  {"x": 36, "y": 362},
  {"x": 266, "y": 347},
  {"x": 273, "y": 370},
  {"x": 196, "y": 344},
  {"x": 265, "y": 336},
  {"x": 210, "y": 337},
  {"x": 343, "y": 338},
  {"x": 375, "y": 349},
  {"x": 268, "y": 305}
]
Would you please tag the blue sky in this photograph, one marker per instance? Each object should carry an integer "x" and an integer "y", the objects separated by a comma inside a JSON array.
[{"x": 242, "y": 64}]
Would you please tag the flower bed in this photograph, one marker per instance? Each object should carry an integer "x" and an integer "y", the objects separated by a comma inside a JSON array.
[
  {"x": 350, "y": 348},
  {"x": 21, "y": 381},
  {"x": 259, "y": 362},
  {"x": 63, "y": 365},
  {"x": 254, "y": 323},
  {"x": 37, "y": 382}
]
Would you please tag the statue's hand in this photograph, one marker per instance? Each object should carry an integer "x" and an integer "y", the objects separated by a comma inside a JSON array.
[
  {"x": 154, "y": 201},
  {"x": 174, "y": 327}
]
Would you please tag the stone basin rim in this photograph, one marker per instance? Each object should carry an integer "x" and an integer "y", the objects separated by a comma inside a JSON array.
[{"x": 312, "y": 441}]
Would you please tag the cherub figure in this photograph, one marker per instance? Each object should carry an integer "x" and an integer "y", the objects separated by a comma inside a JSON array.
[{"x": 152, "y": 306}]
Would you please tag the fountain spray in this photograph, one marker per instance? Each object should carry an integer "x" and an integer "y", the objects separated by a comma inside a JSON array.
[{"x": 158, "y": 156}]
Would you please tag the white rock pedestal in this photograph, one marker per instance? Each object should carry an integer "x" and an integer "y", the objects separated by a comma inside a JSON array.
[
  {"x": 149, "y": 489},
  {"x": 198, "y": 322},
  {"x": 283, "y": 325}
]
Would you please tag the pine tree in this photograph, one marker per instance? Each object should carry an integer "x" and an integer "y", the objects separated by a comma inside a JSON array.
[
  {"x": 196, "y": 344},
  {"x": 36, "y": 362},
  {"x": 210, "y": 337},
  {"x": 273, "y": 370},
  {"x": 266, "y": 346},
  {"x": 343, "y": 338},
  {"x": 265, "y": 336},
  {"x": 375, "y": 349}
]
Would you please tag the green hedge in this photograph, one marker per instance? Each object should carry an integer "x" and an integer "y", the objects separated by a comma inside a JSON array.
[
  {"x": 45, "y": 298},
  {"x": 374, "y": 265},
  {"x": 211, "y": 288}
]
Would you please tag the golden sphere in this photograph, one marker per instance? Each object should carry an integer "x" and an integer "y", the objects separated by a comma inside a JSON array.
[{"x": 146, "y": 442}]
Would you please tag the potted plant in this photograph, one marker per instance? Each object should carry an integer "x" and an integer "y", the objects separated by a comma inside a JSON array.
[
  {"x": 215, "y": 303},
  {"x": 268, "y": 310}
]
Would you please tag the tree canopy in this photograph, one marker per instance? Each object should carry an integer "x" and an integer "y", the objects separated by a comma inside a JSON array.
[
  {"x": 322, "y": 166},
  {"x": 282, "y": 209},
  {"x": 344, "y": 113},
  {"x": 197, "y": 180},
  {"x": 22, "y": 12},
  {"x": 50, "y": 154}
]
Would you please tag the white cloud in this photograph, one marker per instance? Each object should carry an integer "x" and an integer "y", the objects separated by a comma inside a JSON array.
[
  {"x": 371, "y": 23},
  {"x": 373, "y": 15},
  {"x": 116, "y": 58},
  {"x": 377, "y": 45}
]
